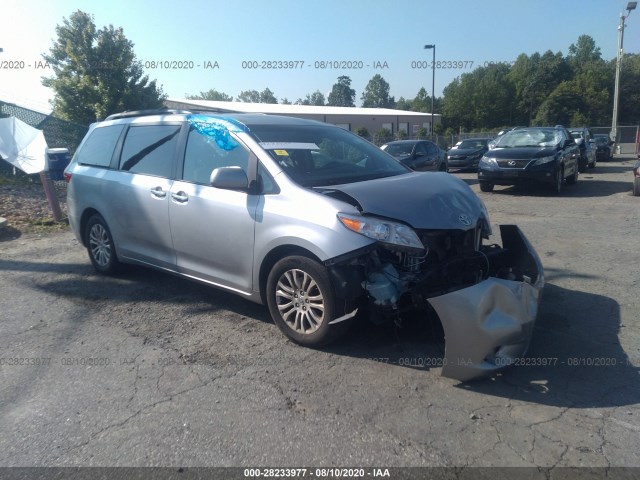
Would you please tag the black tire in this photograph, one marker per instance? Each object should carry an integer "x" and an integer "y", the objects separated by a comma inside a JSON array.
[
  {"x": 302, "y": 302},
  {"x": 486, "y": 186},
  {"x": 593, "y": 165},
  {"x": 573, "y": 179},
  {"x": 100, "y": 246},
  {"x": 557, "y": 184},
  {"x": 636, "y": 187},
  {"x": 443, "y": 167}
]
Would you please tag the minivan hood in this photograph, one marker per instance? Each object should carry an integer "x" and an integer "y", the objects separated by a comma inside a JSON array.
[{"x": 424, "y": 200}]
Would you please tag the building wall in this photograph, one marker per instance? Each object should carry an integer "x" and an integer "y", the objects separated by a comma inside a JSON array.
[{"x": 371, "y": 123}]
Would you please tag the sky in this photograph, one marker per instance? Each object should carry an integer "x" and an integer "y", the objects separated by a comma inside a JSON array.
[{"x": 190, "y": 46}]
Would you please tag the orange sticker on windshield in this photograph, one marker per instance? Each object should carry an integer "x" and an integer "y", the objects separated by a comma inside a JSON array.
[{"x": 282, "y": 153}]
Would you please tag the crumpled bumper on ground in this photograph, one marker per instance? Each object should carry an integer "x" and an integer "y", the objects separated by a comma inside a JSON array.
[{"x": 489, "y": 325}]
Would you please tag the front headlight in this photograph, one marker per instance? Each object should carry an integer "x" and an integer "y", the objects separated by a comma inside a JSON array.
[
  {"x": 488, "y": 163},
  {"x": 381, "y": 230},
  {"x": 543, "y": 160}
]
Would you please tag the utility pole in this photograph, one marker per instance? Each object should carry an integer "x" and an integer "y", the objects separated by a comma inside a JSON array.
[{"x": 616, "y": 92}]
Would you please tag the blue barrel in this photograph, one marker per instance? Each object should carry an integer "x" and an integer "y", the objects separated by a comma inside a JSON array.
[{"x": 57, "y": 161}]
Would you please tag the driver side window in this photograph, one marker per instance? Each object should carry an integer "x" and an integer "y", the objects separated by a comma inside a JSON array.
[{"x": 203, "y": 155}]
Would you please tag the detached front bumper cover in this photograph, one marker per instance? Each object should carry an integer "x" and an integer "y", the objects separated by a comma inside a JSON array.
[{"x": 489, "y": 325}]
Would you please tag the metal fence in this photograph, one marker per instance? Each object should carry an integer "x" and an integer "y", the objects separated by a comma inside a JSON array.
[
  {"x": 627, "y": 138},
  {"x": 58, "y": 133}
]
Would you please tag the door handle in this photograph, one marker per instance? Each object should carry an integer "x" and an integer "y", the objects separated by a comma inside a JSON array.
[
  {"x": 180, "y": 197},
  {"x": 158, "y": 192}
]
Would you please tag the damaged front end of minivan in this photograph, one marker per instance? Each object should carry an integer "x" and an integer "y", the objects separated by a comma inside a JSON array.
[{"x": 486, "y": 296}]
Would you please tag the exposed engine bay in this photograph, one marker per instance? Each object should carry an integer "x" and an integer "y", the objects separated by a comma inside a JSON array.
[{"x": 502, "y": 283}]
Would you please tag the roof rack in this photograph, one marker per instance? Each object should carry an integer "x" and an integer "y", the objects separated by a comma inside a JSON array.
[{"x": 144, "y": 113}]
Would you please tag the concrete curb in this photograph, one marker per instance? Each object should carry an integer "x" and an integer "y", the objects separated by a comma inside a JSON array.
[{"x": 3, "y": 223}]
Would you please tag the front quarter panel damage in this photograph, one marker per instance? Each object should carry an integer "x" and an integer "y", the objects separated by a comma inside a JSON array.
[{"x": 488, "y": 325}]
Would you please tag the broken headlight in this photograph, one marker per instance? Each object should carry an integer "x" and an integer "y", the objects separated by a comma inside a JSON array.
[{"x": 383, "y": 231}]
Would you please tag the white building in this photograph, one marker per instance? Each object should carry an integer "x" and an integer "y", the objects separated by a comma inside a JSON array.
[{"x": 350, "y": 118}]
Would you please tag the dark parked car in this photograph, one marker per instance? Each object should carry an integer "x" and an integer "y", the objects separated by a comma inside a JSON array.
[
  {"x": 467, "y": 153},
  {"x": 546, "y": 155},
  {"x": 420, "y": 155},
  {"x": 603, "y": 146},
  {"x": 587, "y": 145}
]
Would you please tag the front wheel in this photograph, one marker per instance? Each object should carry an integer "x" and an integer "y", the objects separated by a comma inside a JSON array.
[
  {"x": 557, "y": 184},
  {"x": 636, "y": 187},
  {"x": 100, "y": 246},
  {"x": 486, "y": 186},
  {"x": 573, "y": 179},
  {"x": 302, "y": 303}
]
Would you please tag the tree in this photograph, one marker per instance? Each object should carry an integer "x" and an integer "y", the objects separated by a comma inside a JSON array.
[
  {"x": 342, "y": 95},
  {"x": 363, "y": 132},
  {"x": 583, "y": 52},
  {"x": 402, "y": 104},
  {"x": 285, "y": 101},
  {"x": 382, "y": 136},
  {"x": 249, "y": 96},
  {"x": 422, "y": 102},
  {"x": 315, "y": 98},
  {"x": 96, "y": 72},
  {"x": 213, "y": 95},
  {"x": 376, "y": 93},
  {"x": 267, "y": 96}
]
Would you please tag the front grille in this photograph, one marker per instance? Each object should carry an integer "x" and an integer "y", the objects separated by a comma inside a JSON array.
[{"x": 509, "y": 163}]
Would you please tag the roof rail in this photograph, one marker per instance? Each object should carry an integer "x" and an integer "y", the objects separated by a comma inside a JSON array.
[{"x": 144, "y": 113}]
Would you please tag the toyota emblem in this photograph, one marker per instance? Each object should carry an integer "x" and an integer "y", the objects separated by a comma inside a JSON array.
[{"x": 464, "y": 219}]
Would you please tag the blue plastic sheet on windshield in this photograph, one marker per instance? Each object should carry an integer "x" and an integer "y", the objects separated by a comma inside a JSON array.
[{"x": 217, "y": 129}]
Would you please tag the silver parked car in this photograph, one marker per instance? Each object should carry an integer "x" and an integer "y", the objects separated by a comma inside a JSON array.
[{"x": 309, "y": 219}]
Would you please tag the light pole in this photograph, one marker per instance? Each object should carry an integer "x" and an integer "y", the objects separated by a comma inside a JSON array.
[
  {"x": 433, "y": 82},
  {"x": 616, "y": 92}
]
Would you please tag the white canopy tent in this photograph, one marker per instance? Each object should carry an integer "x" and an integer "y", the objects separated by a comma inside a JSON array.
[{"x": 22, "y": 146}]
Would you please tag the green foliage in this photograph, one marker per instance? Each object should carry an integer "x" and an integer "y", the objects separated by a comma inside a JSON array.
[
  {"x": 363, "y": 132},
  {"x": 421, "y": 134},
  {"x": 382, "y": 136},
  {"x": 96, "y": 72},
  {"x": 400, "y": 135},
  {"x": 249, "y": 96},
  {"x": 285, "y": 101},
  {"x": 376, "y": 93},
  {"x": 212, "y": 95},
  {"x": 402, "y": 104},
  {"x": 342, "y": 95},
  {"x": 267, "y": 96},
  {"x": 315, "y": 98}
]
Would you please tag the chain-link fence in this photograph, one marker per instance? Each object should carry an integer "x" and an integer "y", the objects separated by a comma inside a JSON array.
[
  {"x": 58, "y": 133},
  {"x": 627, "y": 138}
]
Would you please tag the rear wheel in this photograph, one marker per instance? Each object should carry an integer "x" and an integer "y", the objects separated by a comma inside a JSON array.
[
  {"x": 100, "y": 246},
  {"x": 302, "y": 303},
  {"x": 486, "y": 186},
  {"x": 636, "y": 187}
]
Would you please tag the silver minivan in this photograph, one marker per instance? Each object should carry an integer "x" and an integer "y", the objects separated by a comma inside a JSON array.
[{"x": 309, "y": 219}]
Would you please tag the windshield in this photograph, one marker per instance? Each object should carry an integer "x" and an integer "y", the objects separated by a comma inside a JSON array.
[
  {"x": 472, "y": 144},
  {"x": 533, "y": 137},
  {"x": 322, "y": 155},
  {"x": 398, "y": 149}
]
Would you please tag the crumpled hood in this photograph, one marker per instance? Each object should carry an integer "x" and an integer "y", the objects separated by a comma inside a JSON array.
[
  {"x": 465, "y": 152},
  {"x": 424, "y": 200}
]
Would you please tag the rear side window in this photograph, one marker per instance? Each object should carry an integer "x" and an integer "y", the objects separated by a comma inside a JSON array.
[
  {"x": 150, "y": 149},
  {"x": 98, "y": 149}
]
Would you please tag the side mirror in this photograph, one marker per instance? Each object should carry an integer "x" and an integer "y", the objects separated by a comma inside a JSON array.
[{"x": 229, "y": 178}]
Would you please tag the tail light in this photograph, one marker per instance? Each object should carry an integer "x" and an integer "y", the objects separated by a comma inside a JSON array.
[{"x": 67, "y": 177}]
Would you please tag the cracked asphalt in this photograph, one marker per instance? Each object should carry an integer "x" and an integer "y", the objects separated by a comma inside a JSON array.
[{"x": 146, "y": 369}]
